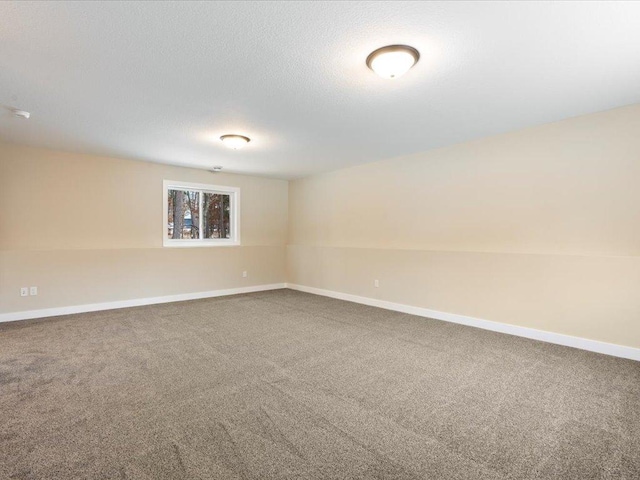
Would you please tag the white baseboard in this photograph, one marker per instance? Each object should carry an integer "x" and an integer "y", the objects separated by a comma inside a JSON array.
[
  {"x": 136, "y": 302},
  {"x": 549, "y": 337}
]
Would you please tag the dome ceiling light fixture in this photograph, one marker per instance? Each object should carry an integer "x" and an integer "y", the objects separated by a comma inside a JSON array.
[
  {"x": 393, "y": 61},
  {"x": 20, "y": 113},
  {"x": 235, "y": 142}
]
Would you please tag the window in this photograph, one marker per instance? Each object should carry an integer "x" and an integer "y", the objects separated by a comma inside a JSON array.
[{"x": 198, "y": 215}]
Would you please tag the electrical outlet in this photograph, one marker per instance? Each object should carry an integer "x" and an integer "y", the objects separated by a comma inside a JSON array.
[
  {"x": 33, "y": 291},
  {"x": 376, "y": 283},
  {"x": 24, "y": 291},
  {"x": 244, "y": 274}
]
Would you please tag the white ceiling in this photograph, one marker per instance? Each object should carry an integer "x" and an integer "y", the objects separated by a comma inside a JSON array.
[{"x": 162, "y": 81}]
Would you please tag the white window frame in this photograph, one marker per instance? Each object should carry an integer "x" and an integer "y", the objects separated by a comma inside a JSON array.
[{"x": 233, "y": 192}]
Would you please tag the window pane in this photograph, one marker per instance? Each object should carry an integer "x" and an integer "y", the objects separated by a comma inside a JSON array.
[
  {"x": 183, "y": 214},
  {"x": 216, "y": 222}
]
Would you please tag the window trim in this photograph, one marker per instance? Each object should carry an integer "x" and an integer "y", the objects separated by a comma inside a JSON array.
[{"x": 233, "y": 192}]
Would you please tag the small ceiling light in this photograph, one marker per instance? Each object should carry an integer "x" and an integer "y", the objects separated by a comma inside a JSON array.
[
  {"x": 21, "y": 113},
  {"x": 217, "y": 168},
  {"x": 235, "y": 142},
  {"x": 393, "y": 61}
]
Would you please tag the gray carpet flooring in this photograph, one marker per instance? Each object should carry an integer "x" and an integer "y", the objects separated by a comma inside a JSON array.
[{"x": 284, "y": 384}]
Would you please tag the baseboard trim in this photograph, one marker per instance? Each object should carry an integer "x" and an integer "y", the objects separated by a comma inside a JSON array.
[
  {"x": 550, "y": 337},
  {"x": 136, "y": 302},
  {"x": 544, "y": 336}
]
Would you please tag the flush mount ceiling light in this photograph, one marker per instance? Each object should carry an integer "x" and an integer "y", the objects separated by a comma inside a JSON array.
[
  {"x": 393, "y": 61},
  {"x": 235, "y": 142}
]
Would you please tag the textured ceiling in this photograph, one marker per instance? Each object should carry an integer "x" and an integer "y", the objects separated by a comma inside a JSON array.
[{"x": 162, "y": 81}]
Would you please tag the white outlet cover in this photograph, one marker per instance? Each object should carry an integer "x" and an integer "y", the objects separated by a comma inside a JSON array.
[
  {"x": 244, "y": 274},
  {"x": 33, "y": 291},
  {"x": 24, "y": 291}
]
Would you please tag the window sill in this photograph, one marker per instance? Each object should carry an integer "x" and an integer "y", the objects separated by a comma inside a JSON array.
[{"x": 198, "y": 243}]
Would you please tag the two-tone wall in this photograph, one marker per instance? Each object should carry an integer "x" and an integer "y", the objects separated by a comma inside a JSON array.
[
  {"x": 86, "y": 229},
  {"x": 538, "y": 228}
]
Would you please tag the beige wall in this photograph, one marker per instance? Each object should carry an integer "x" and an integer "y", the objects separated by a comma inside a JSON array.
[
  {"x": 537, "y": 228},
  {"x": 88, "y": 229}
]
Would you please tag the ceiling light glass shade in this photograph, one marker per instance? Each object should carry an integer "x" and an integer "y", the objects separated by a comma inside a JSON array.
[
  {"x": 393, "y": 61},
  {"x": 235, "y": 142}
]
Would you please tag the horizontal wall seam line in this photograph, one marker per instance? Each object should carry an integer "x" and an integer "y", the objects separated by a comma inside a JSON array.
[{"x": 480, "y": 252}]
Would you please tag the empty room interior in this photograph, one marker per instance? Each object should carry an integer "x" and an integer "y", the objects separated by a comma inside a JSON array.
[{"x": 320, "y": 240}]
